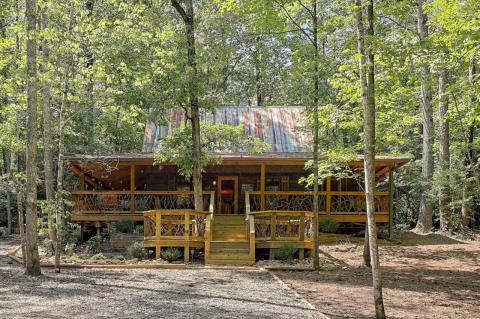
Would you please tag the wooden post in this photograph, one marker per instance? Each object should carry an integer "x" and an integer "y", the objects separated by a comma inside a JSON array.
[
  {"x": 390, "y": 202},
  {"x": 301, "y": 236},
  {"x": 82, "y": 230},
  {"x": 82, "y": 181},
  {"x": 158, "y": 234},
  {"x": 273, "y": 230},
  {"x": 328, "y": 199},
  {"x": 262, "y": 186},
  {"x": 98, "y": 227},
  {"x": 208, "y": 237},
  {"x": 186, "y": 252},
  {"x": 132, "y": 188},
  {"x": 252, "y": 236}
]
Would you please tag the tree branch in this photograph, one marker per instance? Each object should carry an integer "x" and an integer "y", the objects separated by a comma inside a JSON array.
[
  {"x": 180, "y": 10},
  {"x": 294, "y": 22}
]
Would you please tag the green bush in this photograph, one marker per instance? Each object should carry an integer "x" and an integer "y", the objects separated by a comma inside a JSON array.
[
  {"x": 329, "y": 225},
  {"x": 138, "y": 229},
  {"x": 171, "y": 254},
  {"x": 111, "y": 229},
  {"x": 125, "y": 226},
  {"x": 98, "y": 257},
  {"x": 47, "y": 244},
  {"x": 136, "y": 250},
  {"x": 70, "y": 248},
  {"x": 286, "y": 252},
  {"x": 93, "y": 245}
]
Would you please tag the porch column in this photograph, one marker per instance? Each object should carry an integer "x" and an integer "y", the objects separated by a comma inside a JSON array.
[
  {"x": 82, "y": 181},
  {"x": 262, "y": 186},
  {"x": 328, "y": 199},
  {"x": 132, "y": 188},
  {"x": 390, "y": 202}
]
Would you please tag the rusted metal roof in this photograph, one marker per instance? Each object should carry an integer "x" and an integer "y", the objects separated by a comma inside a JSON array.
[
  {"x": 147, "y": 157},
  {"x": 280, "y": 127}
]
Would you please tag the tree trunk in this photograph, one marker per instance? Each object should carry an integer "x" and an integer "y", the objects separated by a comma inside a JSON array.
[
  {"x": 367, "y": 261},
  {"x": 424, "y": 223},
  {"x": 7, "y": 168},
  {"x": 31, "y": 250},
  {"x": 47, "y": 137},
  {"x": 444, "y": 153},
  {"x": 469, "y": 161},
  {"x": 187, "y": 15},
  {"x": 316, "y": 98},
  {"x": 89, "y": 88},
  {"x": 60, "y": 207},
  {"x": 368, "y": 101}
]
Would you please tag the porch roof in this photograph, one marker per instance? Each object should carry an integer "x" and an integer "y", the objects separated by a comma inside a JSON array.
[{"x": 147, "y": 157}]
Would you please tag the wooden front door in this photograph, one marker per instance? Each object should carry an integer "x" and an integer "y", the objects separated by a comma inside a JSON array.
[{"x": 227, "y": 188}]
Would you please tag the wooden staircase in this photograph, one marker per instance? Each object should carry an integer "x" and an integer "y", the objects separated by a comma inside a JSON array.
[{"x": 229, "y": 244}]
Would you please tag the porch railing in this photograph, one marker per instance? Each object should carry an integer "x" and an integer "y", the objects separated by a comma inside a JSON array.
[
  {"x": 179, "y": 228},
  {"x": 331, "y": 203},
  {"x": 119, "y": 202}
]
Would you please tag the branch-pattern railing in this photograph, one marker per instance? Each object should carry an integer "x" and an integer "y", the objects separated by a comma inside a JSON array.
[
  {"x": 120, "y": 201},
  {"x": 338, "y": 202},
  {"x": 179, "y": 227},
  {"x": 282, "y": 225},
  {"x": 175, "y": 224}
]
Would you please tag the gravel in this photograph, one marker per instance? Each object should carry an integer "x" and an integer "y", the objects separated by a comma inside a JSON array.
[{"x": 138, "y": 293}]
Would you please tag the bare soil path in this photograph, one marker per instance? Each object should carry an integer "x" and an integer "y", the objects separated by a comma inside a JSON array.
[
  {"x": 152, "y": 293},
  {"x": 426, "y": 277}
]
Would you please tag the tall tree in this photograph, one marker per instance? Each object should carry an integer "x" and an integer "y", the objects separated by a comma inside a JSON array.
[
  {"x": 424, "y": 223},
  {"x": 31, "y": 249},
  {"x": 47, "y": 131},
  {"x": 187, "y": 14},
  {"x": 469, "y": 161},
  {"x": 444, "y": 152},
  {"x": 367, "y": 82},
  {"x": 316, "y": 100}
]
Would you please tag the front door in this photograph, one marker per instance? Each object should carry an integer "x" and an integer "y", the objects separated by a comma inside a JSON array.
[{"x": 227, "y": 194}]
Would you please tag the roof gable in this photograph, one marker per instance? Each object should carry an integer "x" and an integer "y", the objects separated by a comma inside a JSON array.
[{"x": 277, "y": 126}]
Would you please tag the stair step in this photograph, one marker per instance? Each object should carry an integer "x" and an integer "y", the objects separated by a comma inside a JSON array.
[
  {"x": 212, "y": 261},
  {"x": 230, "y": 257}
]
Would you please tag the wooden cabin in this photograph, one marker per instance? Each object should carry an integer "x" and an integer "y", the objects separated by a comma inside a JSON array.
[{"x": 251, "y": 202}]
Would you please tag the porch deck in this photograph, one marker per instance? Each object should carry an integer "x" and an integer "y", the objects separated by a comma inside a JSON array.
[{"x": 270, "y": 220}]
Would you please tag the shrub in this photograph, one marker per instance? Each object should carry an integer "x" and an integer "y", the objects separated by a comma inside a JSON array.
[
  {"x": 125, "y": 226},
  {"x": 136, "y": 250},
  {"x": 70, "y": 234},
  {"x": 70, "y": 248},
  {"x": 171, "y": 254},
  {"x": 138, "y": 229},
  {"x": 111, "y": 229},
  {"x": 93, "y": 245},
  {"x": 286, "y": 252},
  {"x": 329, "y": 225},
  {"x": 97, "y": 257},
  {"x": 47, "y": 244}
]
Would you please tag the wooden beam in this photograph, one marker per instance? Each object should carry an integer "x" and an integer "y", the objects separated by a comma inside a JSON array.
[
  {"x": 77, "y": 171},
  {"x": 382, "y": 171},
  {"x": 390, "y": 203},
  {"x": 132, "y": 188},
  {"x": 328, "y": 198},
  {"x": 262, "y": 186}
]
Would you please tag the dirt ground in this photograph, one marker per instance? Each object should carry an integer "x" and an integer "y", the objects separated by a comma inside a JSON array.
[
  {"x": 430, "y": 276},
  {"x": 145, "y": 293}
]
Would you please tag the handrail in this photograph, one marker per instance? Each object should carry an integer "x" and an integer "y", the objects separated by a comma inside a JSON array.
[
  {"x": 77, "y": 192},
  {"x": 358, "y": 193}
]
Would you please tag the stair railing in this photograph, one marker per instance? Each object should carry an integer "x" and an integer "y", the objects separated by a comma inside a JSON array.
[
  {"x": 250, "y": 219},
  {"x": 208, "y": 226}
]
